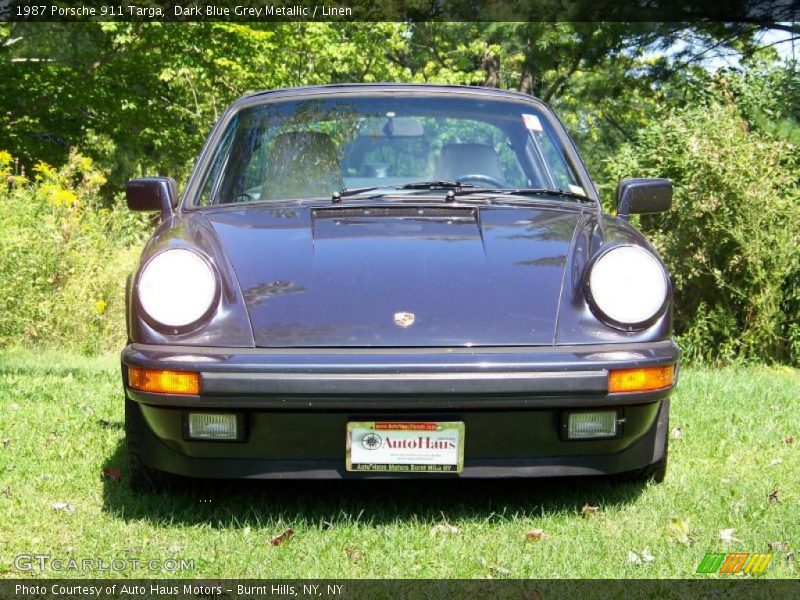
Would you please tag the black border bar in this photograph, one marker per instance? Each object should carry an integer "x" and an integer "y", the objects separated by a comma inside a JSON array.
[
  {"x": 753, "y": 11},
  {"x": 372, "y": 589}
]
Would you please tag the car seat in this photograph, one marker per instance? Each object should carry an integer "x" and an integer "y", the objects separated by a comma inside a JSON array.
[{"x": 457, "y": 160}]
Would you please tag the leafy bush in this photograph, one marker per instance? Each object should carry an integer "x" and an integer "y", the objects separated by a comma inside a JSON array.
[
  {"x": 731, "y": 239},
  {"x": 63, "y": 257}
]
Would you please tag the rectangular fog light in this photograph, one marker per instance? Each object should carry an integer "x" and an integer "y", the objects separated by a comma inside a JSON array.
[
  {"x": 213, "y": 426},
  {"x": 591, "y": 425}
]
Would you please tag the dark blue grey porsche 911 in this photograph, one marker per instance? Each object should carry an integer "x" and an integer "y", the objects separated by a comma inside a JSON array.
[{"x": 396, "y": 281}]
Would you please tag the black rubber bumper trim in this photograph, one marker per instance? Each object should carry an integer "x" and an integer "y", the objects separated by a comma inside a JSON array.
[
  {"x": 406, "y": 402},
  {"x": 406, "y": 383},
  {"x": 637, "y": 455},
  {"x": 514, "y": 377}
]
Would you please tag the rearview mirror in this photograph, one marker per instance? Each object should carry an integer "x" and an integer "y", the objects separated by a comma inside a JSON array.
[
  {"x": 153, "y": 193},
  {"x": 393, "y": 127},
  {"x": 641, "y": 196}
]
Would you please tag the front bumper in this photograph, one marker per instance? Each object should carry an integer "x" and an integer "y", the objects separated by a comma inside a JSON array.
[{"x": 296, "y": 403}]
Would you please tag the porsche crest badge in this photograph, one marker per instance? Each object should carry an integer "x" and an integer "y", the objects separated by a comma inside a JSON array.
[{"x": 404, "y": 319}]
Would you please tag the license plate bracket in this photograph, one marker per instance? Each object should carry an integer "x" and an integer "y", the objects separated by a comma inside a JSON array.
[{"x": 405, "y": 446}]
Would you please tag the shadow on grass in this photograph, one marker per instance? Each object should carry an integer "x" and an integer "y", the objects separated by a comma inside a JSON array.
[{"x": 241, "y": 503}]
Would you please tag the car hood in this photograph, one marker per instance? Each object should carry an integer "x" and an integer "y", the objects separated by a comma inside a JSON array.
[{"x": 399, "y": 276}]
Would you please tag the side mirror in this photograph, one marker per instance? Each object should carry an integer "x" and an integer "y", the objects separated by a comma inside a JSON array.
[
  {"x": 153, "y": 193},
  {"x": 641, "y": 196}
]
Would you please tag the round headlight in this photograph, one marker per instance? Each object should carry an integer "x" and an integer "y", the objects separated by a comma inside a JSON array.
[
  {"x": 628, "y": 285},
  {"x": 176, "y": 288}
]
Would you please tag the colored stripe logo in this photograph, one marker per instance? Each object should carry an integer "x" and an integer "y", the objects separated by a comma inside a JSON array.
[{"x": 751, "y": 563}]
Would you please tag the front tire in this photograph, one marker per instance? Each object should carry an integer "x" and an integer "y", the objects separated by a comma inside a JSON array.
[
  {"x": 655, "y": 472},
  {"x": 141, "y": 478}
]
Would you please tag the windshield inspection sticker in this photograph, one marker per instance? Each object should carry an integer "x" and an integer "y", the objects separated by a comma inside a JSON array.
[{"x": 532, "y": 123}]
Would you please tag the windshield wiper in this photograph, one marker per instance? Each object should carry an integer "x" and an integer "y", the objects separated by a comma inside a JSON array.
[
  {"x": 416, "y": 185},
  {"x": 436, "y": 185},
  {"x": 525, "y": 192},
  {"x": 456, "y": 189},
  {"x": 337, "y": 196}
]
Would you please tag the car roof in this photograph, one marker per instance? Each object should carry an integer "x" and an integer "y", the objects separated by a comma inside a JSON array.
[{"x": 312, "y": 90}]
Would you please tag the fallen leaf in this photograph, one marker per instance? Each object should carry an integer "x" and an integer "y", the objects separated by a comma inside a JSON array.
[
  {"x": 588, "y": 511},
  {"x": 15, "y": 406},
  {"x": 678, "y": 531},
  {"x": 779, "y": 546},
  {"x": 726, "y": 535},
  {"x": 7, "y": 491},
  {"x": 113, "y": 474},
  {"x": 774, "y": 496},
  {"x": 493, "y": 568},
  {"x": 54, "y": 436},
  {"x": 677, "y": 433},
  {"x": 788, "y": 440},
  {"x": 6, "y": 442},
  {"x": 175, "y": 548},
  {"x": 534, "y": 535},
  {"x": 725, "y": 480},
  {"x": 775, "y": 461},
  {"x": 282, "y": 537},
  {"x": 354, "y": 555},
  {"x": 638, "y": 559},
  {"x": 65, "y": 506},
  {"x": 443, "y": 528}
]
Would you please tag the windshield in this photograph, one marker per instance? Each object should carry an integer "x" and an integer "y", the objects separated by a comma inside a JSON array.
[{"x": 316, "y": 147}]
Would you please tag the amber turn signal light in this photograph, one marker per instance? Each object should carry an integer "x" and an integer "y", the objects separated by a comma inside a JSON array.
[
  {"x": 641, "y": 380},
  {"x": 164, "y": 382}
]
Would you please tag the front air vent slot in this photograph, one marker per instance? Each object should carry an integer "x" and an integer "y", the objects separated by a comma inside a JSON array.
[{"x": 395, "y": 211}]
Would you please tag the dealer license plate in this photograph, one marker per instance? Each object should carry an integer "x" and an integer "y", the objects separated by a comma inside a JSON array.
[{"x": 405, "y": 446}]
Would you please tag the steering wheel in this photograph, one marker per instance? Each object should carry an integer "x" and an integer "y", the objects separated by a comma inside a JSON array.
[
  {"x": 481, "y": 179},
  {"x": 243, "y": 197}
]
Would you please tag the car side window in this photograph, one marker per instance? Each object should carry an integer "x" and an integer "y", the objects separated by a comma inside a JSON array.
[
  {"x": 556, "y": 160},
  {"x": 217, "y": 164}
]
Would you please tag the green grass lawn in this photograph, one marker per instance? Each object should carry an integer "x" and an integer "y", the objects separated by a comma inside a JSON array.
[{"x": 735, "y": 464}]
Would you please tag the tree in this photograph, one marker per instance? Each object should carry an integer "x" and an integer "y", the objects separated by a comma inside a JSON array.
[
  {"x": 731, "y": 237},
  {"x": 140, "y": 98},
  {"x": 605, "y": 79}
]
